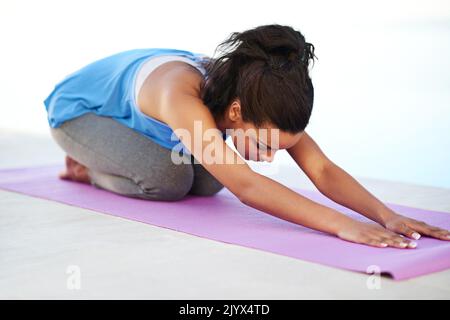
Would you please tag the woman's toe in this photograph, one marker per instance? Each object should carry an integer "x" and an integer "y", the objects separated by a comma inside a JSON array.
[{"x": 63, "y": 175}]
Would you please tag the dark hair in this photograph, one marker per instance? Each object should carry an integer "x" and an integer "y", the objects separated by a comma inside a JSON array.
[{"x": 267, "y": 69}]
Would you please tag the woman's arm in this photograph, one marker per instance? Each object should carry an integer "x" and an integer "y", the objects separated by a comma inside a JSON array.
[
  {"x": 334, "y": 182},
  {"x": 181, "y": 109},
  {"x": 339, "y": 186},
  {"x": 235, "y": 174}
]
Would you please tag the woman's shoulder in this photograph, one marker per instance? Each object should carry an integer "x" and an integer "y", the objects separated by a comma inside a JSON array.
[{"x": 174, "y": 78}]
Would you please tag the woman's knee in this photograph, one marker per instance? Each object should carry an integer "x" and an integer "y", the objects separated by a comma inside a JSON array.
[
  {"x": 206, "y": 190},
  {"x": 173, "y": 185},
  {"x": 205, "y": 184}
]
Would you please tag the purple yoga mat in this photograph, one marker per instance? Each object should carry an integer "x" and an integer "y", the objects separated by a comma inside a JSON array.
[{"x": 223, "y": 218}]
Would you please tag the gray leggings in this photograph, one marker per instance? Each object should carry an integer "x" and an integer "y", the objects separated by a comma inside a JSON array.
[{"x": 125, "y": 162}]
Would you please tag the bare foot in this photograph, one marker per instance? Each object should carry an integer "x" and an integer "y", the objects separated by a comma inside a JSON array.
[{"x": 74, "y": 171}]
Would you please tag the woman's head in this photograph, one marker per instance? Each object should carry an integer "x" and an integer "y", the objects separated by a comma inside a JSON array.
[{"x": 261, "y": 80}]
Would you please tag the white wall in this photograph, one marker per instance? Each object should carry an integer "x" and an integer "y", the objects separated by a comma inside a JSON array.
[{"x": 382, "y": 98}]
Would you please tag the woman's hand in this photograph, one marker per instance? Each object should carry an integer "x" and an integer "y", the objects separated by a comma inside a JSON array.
[
  {"x": 414, "y": 228},
  {"x": 373, "y": 235}
]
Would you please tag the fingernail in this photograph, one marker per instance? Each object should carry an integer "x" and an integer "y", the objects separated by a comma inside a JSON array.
[
  {"x": 447, "y": 236},
  {"x": 412, "y": 244},
  {"x": 383, "y": 244},
  {"x": 403, "y": 245},
  {"x": 416, "y": 236}
]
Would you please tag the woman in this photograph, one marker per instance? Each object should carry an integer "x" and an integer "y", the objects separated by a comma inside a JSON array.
[{"x": 152, "y": 123}]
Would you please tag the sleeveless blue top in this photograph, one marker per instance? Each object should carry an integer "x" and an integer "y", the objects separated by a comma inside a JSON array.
[{"x": 106, "y": 87}]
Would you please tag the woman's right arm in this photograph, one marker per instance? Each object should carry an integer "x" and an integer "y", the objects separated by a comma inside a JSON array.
[{"x": 181, "y": 109}]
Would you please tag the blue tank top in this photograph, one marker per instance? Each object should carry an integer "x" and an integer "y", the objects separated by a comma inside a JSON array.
[{"x": 106, "y": 87}]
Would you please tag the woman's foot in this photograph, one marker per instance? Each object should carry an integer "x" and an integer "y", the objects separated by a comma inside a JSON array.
[{"x": 75, "y": 171}]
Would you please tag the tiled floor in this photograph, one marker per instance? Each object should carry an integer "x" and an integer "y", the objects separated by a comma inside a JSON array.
[{"x": 40, "y": 240}]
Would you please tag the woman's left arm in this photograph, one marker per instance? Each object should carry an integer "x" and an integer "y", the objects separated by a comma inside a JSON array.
[{"x": 341, "y": 187}]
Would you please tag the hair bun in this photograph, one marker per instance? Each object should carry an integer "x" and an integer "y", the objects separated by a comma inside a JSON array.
[
  {"x": 293, "y": 56},
  {"x": 277, "y": 62}
]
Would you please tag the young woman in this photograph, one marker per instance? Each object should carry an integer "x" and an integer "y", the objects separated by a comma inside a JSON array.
[{"x": 122, "y": 119}]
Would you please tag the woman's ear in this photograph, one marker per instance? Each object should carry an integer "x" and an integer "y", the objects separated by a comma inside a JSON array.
[{"x": 234, "y": 111}]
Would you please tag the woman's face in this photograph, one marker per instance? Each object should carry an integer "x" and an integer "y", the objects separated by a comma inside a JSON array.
[
  {"x": 252, "y": 143},
  {"x": 261, "y": 144}
]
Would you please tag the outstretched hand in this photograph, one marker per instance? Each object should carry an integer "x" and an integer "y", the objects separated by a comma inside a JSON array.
[
  {"x": 396, "y": 231},
  {"x": 414, "y": 228}
]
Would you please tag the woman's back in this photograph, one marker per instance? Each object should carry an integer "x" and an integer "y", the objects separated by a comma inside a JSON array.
[
  {"x": 108, "y": 87},
  {"x": 162, "y": 74}
]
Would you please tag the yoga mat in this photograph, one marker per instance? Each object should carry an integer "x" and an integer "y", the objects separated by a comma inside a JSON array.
[{"x": 224, "y": 218}]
